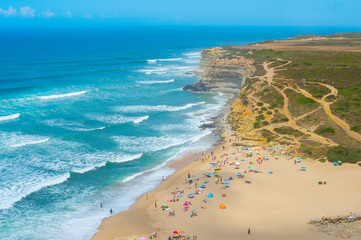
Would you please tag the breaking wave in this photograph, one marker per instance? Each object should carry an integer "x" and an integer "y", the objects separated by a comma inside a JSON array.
[{"x": 62, "y": 95}]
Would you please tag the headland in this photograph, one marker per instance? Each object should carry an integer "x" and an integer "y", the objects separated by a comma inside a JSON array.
[{"x": 286, "y": 166}]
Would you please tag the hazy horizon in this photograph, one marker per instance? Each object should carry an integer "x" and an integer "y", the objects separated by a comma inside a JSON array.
[{"x": 36, "y": 13}]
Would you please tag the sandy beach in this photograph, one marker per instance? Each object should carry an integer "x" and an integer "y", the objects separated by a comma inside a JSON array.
[{"x": 277, "y": 202}]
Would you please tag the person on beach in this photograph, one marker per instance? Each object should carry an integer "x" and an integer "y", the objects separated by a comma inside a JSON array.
[
  {"x": 249, "y": 231},
  {"x": 101, "y": 205},
  {"x": 111, "y": 211},
  {"x": 155, "y": 204}
]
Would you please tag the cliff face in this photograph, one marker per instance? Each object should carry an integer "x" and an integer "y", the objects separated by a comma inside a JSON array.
[{"x": 221, "y": 74}]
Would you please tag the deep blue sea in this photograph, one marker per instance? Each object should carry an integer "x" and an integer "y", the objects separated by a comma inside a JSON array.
[{"x": 92, "y": 115}]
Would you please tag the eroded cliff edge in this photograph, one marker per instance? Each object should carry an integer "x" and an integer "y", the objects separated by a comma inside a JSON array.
[
  {"x": 222, "y": 73},
  {"x": 297, "y": 93}
]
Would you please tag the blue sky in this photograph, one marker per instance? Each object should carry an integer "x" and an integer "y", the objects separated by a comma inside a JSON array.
[{"x": 181, "y": 12}]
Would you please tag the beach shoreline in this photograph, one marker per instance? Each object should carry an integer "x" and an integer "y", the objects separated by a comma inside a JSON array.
[
  {"x": 179, "y": 164},
  {"x": 258, "y": 191},
  {"x": 143, "y": 218}
]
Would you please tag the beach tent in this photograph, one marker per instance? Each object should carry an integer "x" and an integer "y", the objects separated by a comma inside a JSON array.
[
  {"x": 143, "y": 238},
  {"x": 210, "y": 195},
  {"x": 222, "y": 206},
  {"x": 236, "y": 163},
  {"x": 191, "y": 195}
]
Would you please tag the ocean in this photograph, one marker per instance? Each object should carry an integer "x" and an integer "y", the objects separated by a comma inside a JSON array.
[{"x": 93, "y": 115}]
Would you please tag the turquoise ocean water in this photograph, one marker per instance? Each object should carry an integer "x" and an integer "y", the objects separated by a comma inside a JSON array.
[{"x": 93, "y": 115}]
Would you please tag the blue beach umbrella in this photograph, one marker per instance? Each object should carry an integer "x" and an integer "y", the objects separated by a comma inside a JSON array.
[
  {"x": 203, "y": 186},
  {"x": 210, "y": 195}
]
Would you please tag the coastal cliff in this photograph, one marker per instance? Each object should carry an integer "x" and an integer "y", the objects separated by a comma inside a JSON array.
[
  {"x": 296, "y": 93},
  {"x": 221, "y": 73}
]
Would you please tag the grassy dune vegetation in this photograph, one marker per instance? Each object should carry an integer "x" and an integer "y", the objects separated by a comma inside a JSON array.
[{"x": 309, "y": 80}]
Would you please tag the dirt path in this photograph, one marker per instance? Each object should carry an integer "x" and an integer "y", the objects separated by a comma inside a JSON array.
[
  {"x": 285, "y": 110},
  {"x": 327, "y": 109}
]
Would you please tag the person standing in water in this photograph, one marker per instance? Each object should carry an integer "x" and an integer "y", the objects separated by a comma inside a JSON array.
[{"x": 111, "y": 211}]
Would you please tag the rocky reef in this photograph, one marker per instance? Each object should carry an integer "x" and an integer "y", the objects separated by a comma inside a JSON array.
[{"x": 221, "y": 73}]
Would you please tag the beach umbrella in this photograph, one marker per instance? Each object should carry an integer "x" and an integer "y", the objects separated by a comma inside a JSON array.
[
  {"x": 210, "y": 195},
  {"x": 186, "y": 204},
  {"x": 222, "y": 206},
  {"x": 250, "y": 167},
  {"x": 191, "y": 195},
  {"x": 236, "y": 163},
  {"x": 203, "y": 186},
  {"x": 176, "y": 232},
  {"x": 143, "y": 238},
  {"x": 239, "y": 174},
  {"x": 194, "y": 210},
  {"x": 226, "y": 183}
]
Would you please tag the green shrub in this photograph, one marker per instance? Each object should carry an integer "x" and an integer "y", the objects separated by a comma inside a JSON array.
[
  {"x": 260, "y": 117},
  {"x": 344, "y": 154},
  {"x": 257, "y": 125},
  {"x": 269, "y": 112},
  {"x": 265, "y": 123},
  {"x": 356, "y": 128},
  {"x": 264, "y": 109},
  {"x": 288, "y": 131},
  {"x": 305, "y": 100},
  {"x": 325, "y": 130},
  {"x": 259, "y": 104}
]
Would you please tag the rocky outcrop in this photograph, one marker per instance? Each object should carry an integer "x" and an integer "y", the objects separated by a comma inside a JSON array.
[{"x": 221, "y": 73}]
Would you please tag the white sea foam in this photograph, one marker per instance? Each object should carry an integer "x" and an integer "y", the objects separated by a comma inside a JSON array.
[
  {"x": 193, "y": 54},
  {"x": 113, "y": 159},
  {"x": 9, "y": 196},
  {"x": 155, "y": 82},
  {"x": 169, "y": 59},
  {"x": 150, "y": 144},
  {"x": 117, "y": 119},
  {"x": 141, "y": 119},
  {"x": 30, "y": 143},
  {"x": 152, "y": 60},
  {"x": 70, "y": 125},
  {"x": 131, "y": 177},
  {"x": 63, "y": 95},
  {"x": 126, "y": 158},
  {"x": 17, "y": 139},
  {"x": 9, "y": 117},
  {"x": 157, "y": 108},
  {"x": 159, "y": 70}
]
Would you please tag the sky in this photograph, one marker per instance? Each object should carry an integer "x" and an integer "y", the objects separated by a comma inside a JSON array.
[{"x": 180, "y": 12}]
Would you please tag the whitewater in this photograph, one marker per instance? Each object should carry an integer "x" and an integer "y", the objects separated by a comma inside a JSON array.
[{"x": 95, "y": 116}]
